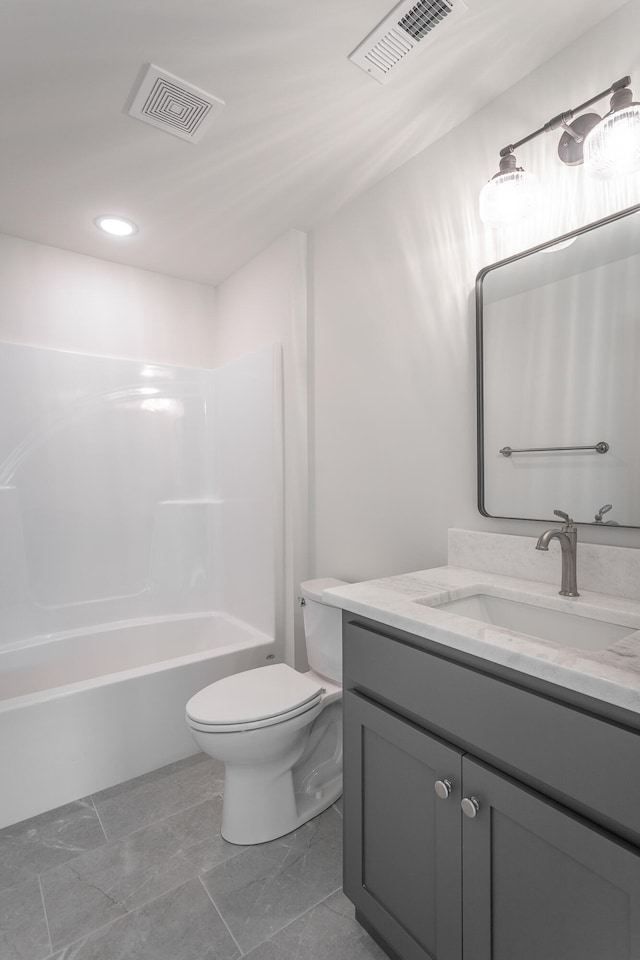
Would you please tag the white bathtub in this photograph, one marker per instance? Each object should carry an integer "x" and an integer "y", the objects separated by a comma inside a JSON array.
[{"x": 83, "y": 711}]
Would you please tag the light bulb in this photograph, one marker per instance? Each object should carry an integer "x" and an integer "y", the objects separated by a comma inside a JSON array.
[
  {"x": 612, "y": 148},
  {"x": 116, "y": 226},
  {"x": 510, "y": 196}
]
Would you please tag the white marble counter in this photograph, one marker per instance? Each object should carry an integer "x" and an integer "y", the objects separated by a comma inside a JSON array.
[{"x": 611, "y": 675}]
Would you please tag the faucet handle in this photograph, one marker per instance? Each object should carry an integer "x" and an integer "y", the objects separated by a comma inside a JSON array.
[
  {"x": 601, "y": 511},
  {"x": 565, "y": 516}
]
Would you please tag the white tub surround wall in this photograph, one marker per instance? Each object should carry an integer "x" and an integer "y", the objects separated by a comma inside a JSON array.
[
  {"x": 126, "y": 487},
  {"x": 614, "y": 571},
  {"x": 104, "y": 482},
  {"x": 266, "y": 301},
  {"x": 247, "y": 452}
]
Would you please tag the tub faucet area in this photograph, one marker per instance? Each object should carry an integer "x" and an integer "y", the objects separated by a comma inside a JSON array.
[{"x": 568, "y": 537}]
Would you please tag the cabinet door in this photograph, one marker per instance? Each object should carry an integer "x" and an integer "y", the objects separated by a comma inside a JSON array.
[
  {"x": 402, "y": 842},
  {"x": 540, "y": 883}
]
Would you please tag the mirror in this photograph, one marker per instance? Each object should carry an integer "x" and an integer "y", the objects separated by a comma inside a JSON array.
[{"x": 558, "y": 358}]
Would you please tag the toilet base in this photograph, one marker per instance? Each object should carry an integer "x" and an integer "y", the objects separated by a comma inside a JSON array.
[
  {"x": 287, "y": 811},
  {"x": 262, "y": 803},
  {"x": 280, "y": 775}
]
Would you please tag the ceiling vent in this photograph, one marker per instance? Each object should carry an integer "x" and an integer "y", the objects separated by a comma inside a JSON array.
[
  {"x": 408, "y": 28},
  {"x": 174, "y": 106}
]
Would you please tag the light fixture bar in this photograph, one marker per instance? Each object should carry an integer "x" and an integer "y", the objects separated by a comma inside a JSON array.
[
  {"x": 563, "y": 119},
  {"x": 609, "y": 146}
]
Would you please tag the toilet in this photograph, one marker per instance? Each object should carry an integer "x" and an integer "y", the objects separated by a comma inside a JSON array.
[{"x": 278, "y": 731}]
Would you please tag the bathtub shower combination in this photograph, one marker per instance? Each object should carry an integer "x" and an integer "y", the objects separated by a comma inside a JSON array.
[{"x": 139, "y": 561}]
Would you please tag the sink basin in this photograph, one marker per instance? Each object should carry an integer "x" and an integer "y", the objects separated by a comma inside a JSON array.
[{"x": 567, "y": 629}]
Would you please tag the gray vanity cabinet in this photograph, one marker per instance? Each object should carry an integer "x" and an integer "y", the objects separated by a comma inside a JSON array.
[
  {"x": 521, "y": 876},
  {"x": 402, "y": 870},
  {"x": 540, "y": 883}
]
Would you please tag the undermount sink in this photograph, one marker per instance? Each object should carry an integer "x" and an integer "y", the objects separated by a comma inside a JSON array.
[{"x": 568, "y": 629}]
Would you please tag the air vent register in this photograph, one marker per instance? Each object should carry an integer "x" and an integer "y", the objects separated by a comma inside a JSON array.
[{"x": 409, "y": 27}]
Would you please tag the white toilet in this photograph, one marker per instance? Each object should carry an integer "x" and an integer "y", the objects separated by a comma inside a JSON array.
[{"x": 279, "y": 732}]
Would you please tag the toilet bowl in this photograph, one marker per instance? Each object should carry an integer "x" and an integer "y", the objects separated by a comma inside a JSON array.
[{"x": 278, "y": 732}]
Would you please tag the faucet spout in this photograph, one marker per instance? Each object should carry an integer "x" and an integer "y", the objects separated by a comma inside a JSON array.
[
  {"x": 568, "y": 539},
  {"x": 545, "y": 538}
]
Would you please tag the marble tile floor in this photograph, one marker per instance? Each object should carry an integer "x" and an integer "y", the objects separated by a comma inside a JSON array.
[{"x": 140, "y": 871}]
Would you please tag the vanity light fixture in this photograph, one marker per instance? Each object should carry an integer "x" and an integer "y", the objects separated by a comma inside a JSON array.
[
  {"x": 510, "y": 195},
  {"x": 608, "y": 147},
  {"x": 116, "y": 226},
  {"x": 612, "y": 148}
]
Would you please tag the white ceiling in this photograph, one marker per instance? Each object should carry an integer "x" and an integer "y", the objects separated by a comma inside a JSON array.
[{"x": 303, "y": 129}]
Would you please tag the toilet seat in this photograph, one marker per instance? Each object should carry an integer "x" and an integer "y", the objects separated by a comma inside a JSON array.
[{"x": 255, "y": 698}]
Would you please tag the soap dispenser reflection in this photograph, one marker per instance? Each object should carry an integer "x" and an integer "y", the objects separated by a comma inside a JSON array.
[{"x": 600, "y": 514}]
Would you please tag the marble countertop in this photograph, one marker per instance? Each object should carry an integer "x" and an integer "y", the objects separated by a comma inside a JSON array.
[{"x": 611, "y": 675}]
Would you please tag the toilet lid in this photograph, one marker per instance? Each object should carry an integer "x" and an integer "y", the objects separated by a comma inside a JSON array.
[{"x": 253, "y": 696}]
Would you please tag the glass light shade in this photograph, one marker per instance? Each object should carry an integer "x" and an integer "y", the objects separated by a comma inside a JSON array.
[
  {"x": 509, "y": 197},
  {"x": 612, "y": 148}
]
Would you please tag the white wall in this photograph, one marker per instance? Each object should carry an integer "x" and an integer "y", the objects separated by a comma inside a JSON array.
[
  {"x": 55, "y": 298},
  {"x": 393, "y": 320},
  {"x": 266, "y": 302},
  {"x": 246, "y": 526}
]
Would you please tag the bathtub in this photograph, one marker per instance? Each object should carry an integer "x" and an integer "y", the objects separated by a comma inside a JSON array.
[{"x": 82, "y": 711}]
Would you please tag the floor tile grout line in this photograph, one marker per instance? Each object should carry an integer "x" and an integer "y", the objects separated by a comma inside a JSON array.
[
  {"x": 150, "y": 823},
  {"x": 305, "y": 912},
  {"x": 200, "y": 871},
  {"x": 102, "y": 827},
  {"x": 46, "y": 918},
  {"x": 197, "y": 875},
  {"x": 127, "y": 913},
  {"x": 287, "y": 924},
  {"x": 215, "y": 905},
  {"x": 92, "y": 797},
  {"x": 89, "y": 933}
]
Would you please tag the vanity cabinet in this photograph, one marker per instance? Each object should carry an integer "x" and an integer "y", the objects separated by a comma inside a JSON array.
[
  {"x": 525, "y": 875},
  {"x": 402, "y": 844}
]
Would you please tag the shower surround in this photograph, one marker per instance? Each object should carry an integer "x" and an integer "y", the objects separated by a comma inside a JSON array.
[{"x": 141, "y": 509}]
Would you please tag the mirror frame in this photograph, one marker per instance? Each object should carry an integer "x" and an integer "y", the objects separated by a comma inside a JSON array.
[{"x": 587, "y": 228}]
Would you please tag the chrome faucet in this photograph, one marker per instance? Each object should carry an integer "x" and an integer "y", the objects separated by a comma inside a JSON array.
[{"x": 568, "y": 538}]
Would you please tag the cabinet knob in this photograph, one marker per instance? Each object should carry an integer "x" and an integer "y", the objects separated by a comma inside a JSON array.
[
  {"x": 442, "y": 788},
  {"x": 470, "y": 807}
]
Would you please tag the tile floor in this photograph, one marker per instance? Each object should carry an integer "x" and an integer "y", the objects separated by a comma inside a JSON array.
[{"x": 140, "y": 871}]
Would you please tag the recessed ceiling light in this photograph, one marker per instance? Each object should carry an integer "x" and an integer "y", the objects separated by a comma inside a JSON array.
[{"x": 116, "y": 226}]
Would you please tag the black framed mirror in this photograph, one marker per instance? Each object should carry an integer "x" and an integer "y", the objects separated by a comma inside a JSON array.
[{"x": 558, "y": 377}]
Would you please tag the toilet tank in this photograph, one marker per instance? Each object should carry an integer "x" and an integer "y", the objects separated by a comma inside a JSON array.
[{"x": 322, "y": 629}]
